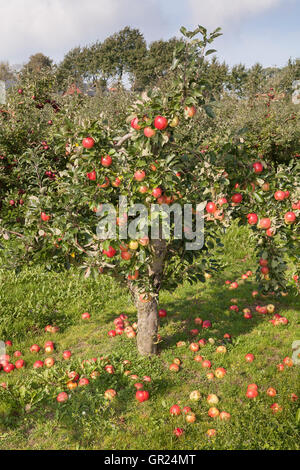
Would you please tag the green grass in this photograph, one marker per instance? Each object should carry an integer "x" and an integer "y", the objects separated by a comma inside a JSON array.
[{"x": 30, "y": 417}]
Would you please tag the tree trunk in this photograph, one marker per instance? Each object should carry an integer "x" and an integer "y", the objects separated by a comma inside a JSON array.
[
  {"x": 148, "y": 323},
  {"x": 146, "y": 305}
]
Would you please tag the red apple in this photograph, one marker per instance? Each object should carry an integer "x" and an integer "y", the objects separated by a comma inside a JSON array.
[
  {"x": 106, "y": 161},
  {"x": 49, "y": 362},
  {"x": 67, "y": 355},
  {"x": 175, "y": 410},
  {"x": 279, "y": 195},
  {"x": 134, "y": 124},
  {"x": 211, "y": 207},
  {"x": 249, "y": 357},
  {"x": 220, "y": 372},
  {"x": 257, "y": 167},
  {"x": 38, "y": 364},
  {"x": 149, "y": 132},
  {"x": 157, "y": 192},
  {"x": 35, "y": 348},
  {"x": 139, "y": 175},
  {"x": 252, "y": 218},
  {"x": 237, "y": 198},
  {"x": 142, "y": 395},
  {"x": 85, "y": 316},
  {"x": 213, "y": 412},
  {"x": 83, "y": 382},
  {"x": 162, "y": 313},
  {"x": 290, "y": 218},
  {"x": 88, "y": 143},
  {"x": 61, "y": 397},
  {"x": 44, "y": 217},
  {"x": 160, "y": 123}
]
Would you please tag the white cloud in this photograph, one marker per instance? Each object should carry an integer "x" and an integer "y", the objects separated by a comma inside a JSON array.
[
  {"x": 222, "y": 12},
  {"x": 55, "y": 26}
]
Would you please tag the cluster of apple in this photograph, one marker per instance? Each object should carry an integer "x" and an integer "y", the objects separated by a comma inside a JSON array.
[
  {"x": 190, "y": 416},
  {"x": 234, "y": 284},
  {"x": 122, "y": 325},
  {"x": 160, "y": 123},
  {"x": 252, "y": 392}
]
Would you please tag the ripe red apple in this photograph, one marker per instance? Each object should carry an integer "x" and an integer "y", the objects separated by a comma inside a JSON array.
[
  {"x": 252, "y": 218},
  {"x": 157, "y": 192},
  {"x": 224, "y": 416},
  {"x": 142, "y": 395},
  {"x": 73, "y": 375},
  {"x": 271, "y": 392},
  {"x": 83, "y": 382},
  {"x": 162, "y": 313},
  {"x": 206, "y": 364},
  {"x": 290, "y": 218},
  {"x": 8, "y": 368},
  {"x": 175, "y": 410},
  {"x": 264, "y": 223},
  {"x": 211, "y": 432},
  {"x": 279, "y": 195},
  {"x": 139, "y": 175},
  {"x": 110, "y": 253},
  {"x": 44, "y": 217},
  {"x": 134, "y": 124},
  {"x": 38, "y": 364},
  {"x": 213, "y": 412},
  {"x": 61, "y": 397},
  {"x": 211, "y": 207},
  {"x": 178, "y": 432},
  {"x": 249, "y": 357},
  {"x": 17, "y": 354},
  {"x": 149, "y": 132},
  {"x": 67, "y": 355},
  {"x": 202, "y": 342},
  {"x": 110, "y": 394},
  {"x": 35, "y": 348},
  {"x": 234, "y": 285},
  {"x": 194, "y": 347},
  {"x": 160, "y": 123},
  {"x": 251, "y": 394},
  {"x": 220, "y": 372},
  {"x": 287, "y": 361},
  {"x": 88, "y": 143},
  {"x": 92, "y": 175},
  {"x": 206, "y": 324},
  {"x": 237, "y": 198},
  {"x": 49, "y": 362},
  {"x": 85, "y": 316},
  {"x": 106, "y": 161},
  {"x": 257, "y": 167},
  {"x": 276, "y": 408}
]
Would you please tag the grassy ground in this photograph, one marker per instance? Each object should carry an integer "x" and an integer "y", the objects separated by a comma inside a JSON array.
[{"x": 30, "y": 417}]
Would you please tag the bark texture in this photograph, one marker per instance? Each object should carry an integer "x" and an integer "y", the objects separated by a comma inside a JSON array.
[{"x": 147, "y": 307}]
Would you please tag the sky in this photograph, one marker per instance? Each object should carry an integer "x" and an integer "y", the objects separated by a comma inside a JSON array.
[{"x": 265, "y": 31}]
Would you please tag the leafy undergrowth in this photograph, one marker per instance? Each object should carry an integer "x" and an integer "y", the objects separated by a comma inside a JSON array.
[{"x": 31, "y": 418}]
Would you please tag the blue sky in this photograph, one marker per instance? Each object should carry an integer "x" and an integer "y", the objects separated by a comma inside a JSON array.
[{"x": 265, "y": 31}]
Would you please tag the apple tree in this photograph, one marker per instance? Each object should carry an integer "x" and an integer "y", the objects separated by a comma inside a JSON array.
[{"x": 156, "y": 160}]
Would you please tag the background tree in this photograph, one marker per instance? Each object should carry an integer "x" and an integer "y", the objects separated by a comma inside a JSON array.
[
  {"x": 38, "y": 62},
  {"x": 6, "y": 72},
  {"x": 122, "y": 53},
  {"x": 155, "y": 64}
]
